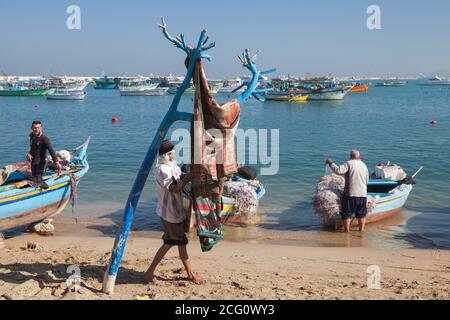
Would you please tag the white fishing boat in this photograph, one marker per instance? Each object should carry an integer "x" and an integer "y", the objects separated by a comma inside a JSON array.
[
  {"x": 66, "y": 94},
  {"x": 338, "y": 93},
  {"x": 232, "y": 86},
  {"x": 434, "y": 81},
  {"x": 140, "y": 87}
]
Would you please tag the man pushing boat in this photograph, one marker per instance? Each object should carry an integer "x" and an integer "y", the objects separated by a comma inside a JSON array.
[
  {"x": 39, "y": 145},
  {"x": 354, "y": 201},
  {"x": 170, "y": 182}
]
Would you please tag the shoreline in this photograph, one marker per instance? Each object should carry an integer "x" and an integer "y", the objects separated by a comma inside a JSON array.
[{"x": 233, "y": 270}]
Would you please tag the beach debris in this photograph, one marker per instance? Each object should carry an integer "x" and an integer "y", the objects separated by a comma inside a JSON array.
[
  {"x": 142, "y": 297},
  {"x": 34, "y": 246},
  {"x": 43, "y": 228},
  {"x": 24, "y": 290}
]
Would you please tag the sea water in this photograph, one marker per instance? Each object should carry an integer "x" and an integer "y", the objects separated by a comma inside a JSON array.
[{"x": 386, "y": 124}]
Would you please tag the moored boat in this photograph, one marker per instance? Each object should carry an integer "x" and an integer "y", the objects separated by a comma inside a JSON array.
[
  {"x": 232, "y": 86},
  {"x": 22, "y": 204},
  {"x": 25, "y": 91},
  {"x": 286, "y": 96},
  {"x": 434, "y": 81},
  {"x": 106, "y": 83},
  {"x": 360, "y": 88},
  {"x": 392, "y": 83},
  {"x": 67, "y": 94},
  {"x": 139, "y": 86},
  {"x": 390, "y": 198},
  {"x": 337, "y": 93}
]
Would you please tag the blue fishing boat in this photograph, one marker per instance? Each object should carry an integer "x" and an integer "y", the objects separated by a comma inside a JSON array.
[
  {"x": 22, "y": 204},
  {"x": 390, "y": 198}
]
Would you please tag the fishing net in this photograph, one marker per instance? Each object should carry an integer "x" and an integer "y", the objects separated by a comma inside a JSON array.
[
  {"x": 328, "y": 196},
  {"x": 245, "y": 195}
]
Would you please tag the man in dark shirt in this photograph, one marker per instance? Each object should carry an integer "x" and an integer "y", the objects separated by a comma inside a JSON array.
[{"x": 39, "y": 145}]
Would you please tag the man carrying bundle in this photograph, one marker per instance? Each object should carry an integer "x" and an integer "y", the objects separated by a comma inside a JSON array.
[
  {"x": 170, "y": 183},
  {"x": 354, "y": 201}
]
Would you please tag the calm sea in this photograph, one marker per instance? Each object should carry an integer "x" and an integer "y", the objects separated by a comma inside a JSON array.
[{"x": 386, "y": 124}]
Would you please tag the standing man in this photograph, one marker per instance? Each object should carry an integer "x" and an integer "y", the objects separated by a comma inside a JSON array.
[
  {"x": 169, "y": 185},
  {"x": 354, "y": 201},
  {"x": 39, "y": 145}
]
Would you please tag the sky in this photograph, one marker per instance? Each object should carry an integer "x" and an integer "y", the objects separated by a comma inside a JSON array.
[{"x": 297, "y": 37}]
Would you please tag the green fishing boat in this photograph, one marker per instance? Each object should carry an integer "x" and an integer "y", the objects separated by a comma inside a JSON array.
[{"x": 25, "y": 92}]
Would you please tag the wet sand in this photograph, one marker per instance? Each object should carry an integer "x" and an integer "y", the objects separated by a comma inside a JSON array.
[{"x": 233, "y": 270}]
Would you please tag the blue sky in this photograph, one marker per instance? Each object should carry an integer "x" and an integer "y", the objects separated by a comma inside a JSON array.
[{"x": 297, "y": 37}]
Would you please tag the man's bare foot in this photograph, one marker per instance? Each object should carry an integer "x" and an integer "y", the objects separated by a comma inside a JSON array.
[
  {"x": 196, "y": 279},
  {"x": 150, "y": 278}
]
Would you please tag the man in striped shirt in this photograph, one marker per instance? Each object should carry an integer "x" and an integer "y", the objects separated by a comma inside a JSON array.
[
  {"x": 169, "y": 183},
  {"x": 354, "y": 201}
]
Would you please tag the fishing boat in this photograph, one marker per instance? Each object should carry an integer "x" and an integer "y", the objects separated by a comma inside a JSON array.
[
  {"x": 292, "y": 95},
  {"x": 24, "y": 92},
  {"x": 390, "y": 197},
  {"x": 232, "y": 86},
  {"x": 67, "y": 94},
  {"x": 22, "y": 204},
  {"x": 337, "y": 93},
  {"x": 359, "y": 88},
  {"x": 106, "y": 83},
  {"x": 214, "y": 86},
  {"x": 58, "y": 82},
  {"x": 324, "y": 89},
  {"x": 392, "y": 83},
  {"x": 139, "y": 86},
  {"x": 25, "y": 88},
  {"x": 435, "y": 81}
]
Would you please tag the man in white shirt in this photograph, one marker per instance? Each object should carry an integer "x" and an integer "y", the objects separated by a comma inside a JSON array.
[
  {"x": 354, "y": 201},
  {"x": 169, "y": 183}
]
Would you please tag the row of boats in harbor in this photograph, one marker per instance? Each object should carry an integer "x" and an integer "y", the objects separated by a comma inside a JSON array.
[{"x": 277, "y": 89}]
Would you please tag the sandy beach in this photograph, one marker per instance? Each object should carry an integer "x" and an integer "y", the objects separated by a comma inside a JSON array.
[{"x": 233, "y": 270}]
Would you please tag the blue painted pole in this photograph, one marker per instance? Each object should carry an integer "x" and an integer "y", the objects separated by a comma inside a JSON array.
[{"x": 171, "y": 117}]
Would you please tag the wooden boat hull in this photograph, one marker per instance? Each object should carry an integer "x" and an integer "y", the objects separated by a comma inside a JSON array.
[
  {"x": 360, "y": 89},
  {"x": 66, "y": 96},
  {"x": 329, "y": 94},
  {"x": 386, "y": 207},
  {"x": 26, "y": 93},
  {"x": 289, "y": 99},
  {"x": 28, "y": 205},
  {"x": 149, "y": 92}
]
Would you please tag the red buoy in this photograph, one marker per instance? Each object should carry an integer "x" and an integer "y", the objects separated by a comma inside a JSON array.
[{"x": 115, "y": 120}]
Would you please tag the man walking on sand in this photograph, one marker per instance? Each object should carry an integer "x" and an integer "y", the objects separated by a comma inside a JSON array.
[
  {"x": 354, "y": 201},
  {"x": 169, "y": 185}
]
